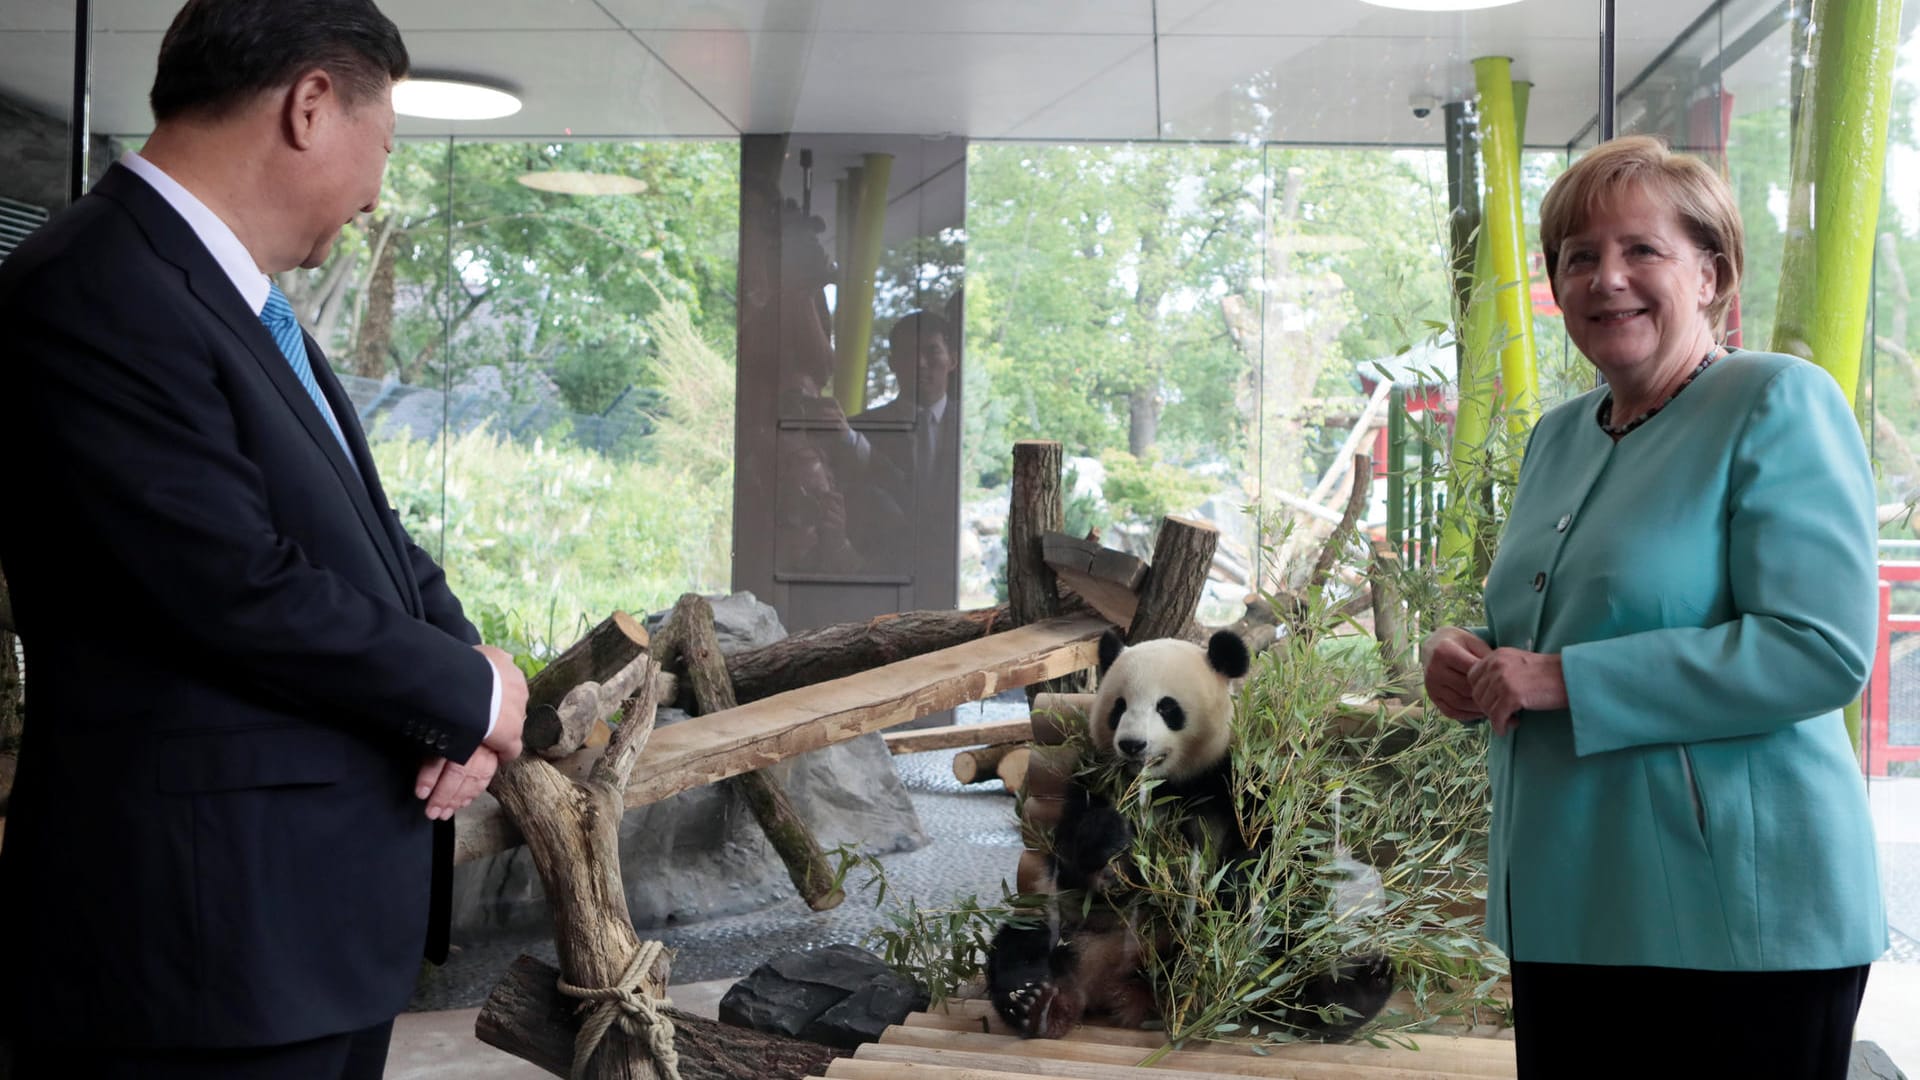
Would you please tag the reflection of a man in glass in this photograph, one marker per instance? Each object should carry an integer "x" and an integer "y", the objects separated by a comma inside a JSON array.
[{"x": 916, "y": 464}]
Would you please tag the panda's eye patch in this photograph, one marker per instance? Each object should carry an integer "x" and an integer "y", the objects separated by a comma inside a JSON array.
[
  {"x": 1171, "y": 714},
  {"x": 1119, "y": 710}
]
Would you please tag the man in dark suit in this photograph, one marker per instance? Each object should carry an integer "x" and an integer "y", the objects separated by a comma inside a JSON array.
[{"x": 255, "y": 702}]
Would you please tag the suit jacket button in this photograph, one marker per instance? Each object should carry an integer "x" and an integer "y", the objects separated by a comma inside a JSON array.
[
  {"x": 1539, "y": 581},
  {"x": 1565, "y": 520},
  {"x": 440, "y": 743}
]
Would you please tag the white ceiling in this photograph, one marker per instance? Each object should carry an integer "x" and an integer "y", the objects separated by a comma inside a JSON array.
[{"x": 1338, "y": 71}]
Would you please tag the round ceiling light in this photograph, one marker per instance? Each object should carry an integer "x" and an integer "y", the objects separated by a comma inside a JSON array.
[
  {"x": 1439, "y": 5},
  {"x": 583, "y": 183},
  {"x": 452, "y": 99}
]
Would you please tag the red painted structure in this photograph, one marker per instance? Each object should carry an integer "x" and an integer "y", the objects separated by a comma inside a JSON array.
[{"x": 1877, "y": 707}]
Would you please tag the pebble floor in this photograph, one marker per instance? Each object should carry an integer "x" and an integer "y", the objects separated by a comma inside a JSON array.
[{"x": 973, "y": 846}]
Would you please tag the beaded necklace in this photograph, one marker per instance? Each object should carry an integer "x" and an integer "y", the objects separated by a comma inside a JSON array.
[{"x": 1606, "y": 407}]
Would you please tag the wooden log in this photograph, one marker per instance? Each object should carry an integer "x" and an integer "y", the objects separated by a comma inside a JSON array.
[
  {"x": 527, "y": 1017},
  {"x": 1182, "y": 556},
  {"x": 599, "y": 656},
  {"x": 1058, "y": 717},
  {"x": 685, "y": 756},
  {"x": 787, "y": 725},
  {"x": 1040, "y": 814},
  {"x": 1035, "y": 508},
  {"x": 1050, "y": 770},
  {"x": 585, "y": 707},
  {"x": 835, "y": 652},
  {"x": 1390, "y": 621},
  {"x": 1109, "y": 580},
  {"x": 1356, "y": 503},
  {"x": 956, "y": 736},
  {"x": 1012, "y": 769},
  {"x": 572, "y": 833},
  {"x": 1030, "y": 874},
  {"x": 689, "y": 639},
  {"x": 979, "y": 766}
]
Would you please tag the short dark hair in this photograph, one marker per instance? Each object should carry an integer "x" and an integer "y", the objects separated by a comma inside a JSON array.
[
  {"x": 917, "y": 329},
  {"x": 219, "y": 53}
]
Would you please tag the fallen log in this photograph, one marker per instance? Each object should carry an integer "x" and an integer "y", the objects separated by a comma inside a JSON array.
[
  {"x": 689, "y": 641},
  {"x": 528, "y": 1017}
]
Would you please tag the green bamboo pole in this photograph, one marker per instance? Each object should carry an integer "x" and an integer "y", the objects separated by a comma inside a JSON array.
[
  {"x": 1833, "y": 210},
  {"x": 853, "y": 308},
  {"x": 1499, "y": 298},
  {"x": 1506, "y": 240}
]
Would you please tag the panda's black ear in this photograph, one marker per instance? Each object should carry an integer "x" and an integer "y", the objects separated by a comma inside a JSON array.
[
  {"x": 1110, "y": 648},
  {"x": 1228, "y": 654}
]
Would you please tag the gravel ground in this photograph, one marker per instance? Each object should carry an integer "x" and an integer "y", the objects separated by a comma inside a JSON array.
[{"x": 973, "y": 849}]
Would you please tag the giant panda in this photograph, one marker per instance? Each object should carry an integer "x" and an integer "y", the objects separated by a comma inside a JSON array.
[{"x": 1164, "y": 711}]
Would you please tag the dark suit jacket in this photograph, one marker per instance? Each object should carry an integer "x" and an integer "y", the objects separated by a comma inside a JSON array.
[{"x": 237, "y": 661}]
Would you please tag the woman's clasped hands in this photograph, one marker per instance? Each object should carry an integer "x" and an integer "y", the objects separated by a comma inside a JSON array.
[{"x": 1467, "y": 679}]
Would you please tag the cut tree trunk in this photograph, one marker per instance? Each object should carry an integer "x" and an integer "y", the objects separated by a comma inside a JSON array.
[
  {"x": 690, "y": 642},
  {"x": 1182, "y": 557},
  {"x": 1036, "y": 509},
  {"x": 572, "y": 832},
  {"x": 528, "y": 1017}
]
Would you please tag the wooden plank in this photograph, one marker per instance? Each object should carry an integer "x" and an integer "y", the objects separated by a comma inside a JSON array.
[
  {"x": 1304, "y": 1061},
  {"x": 702, "y": 751},
  {"x": 958, "y": 736},
  {"x": 689, "y": 755},
  {"x": 1087, "y": 1061},
  {"x": 1108, "y": 580},
  {"x": 904, "y": 1062},
  {"x": 1484, "y": 1058}
]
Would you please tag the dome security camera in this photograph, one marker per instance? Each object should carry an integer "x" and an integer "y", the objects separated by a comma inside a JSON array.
[{"x": 1422, "y": 105}]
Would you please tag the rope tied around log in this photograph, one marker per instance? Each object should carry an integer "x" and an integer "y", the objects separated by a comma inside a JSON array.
[{"x": 637, "y": 1012}]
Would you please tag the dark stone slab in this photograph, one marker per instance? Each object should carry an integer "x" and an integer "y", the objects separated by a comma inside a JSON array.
[{"x": 838, "y": 995}]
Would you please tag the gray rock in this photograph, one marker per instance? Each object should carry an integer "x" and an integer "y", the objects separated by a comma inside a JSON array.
[
  {"x": 839, "y": 995},
  {"x": 1869, "y": 1062},
  {"x": 740, "y": 621},
  {"x": 700, "y": 854}
]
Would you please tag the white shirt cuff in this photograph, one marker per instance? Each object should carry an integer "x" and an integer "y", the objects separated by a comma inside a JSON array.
[{"x": 493, "y": 711}]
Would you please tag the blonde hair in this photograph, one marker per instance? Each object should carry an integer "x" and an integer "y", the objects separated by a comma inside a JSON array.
[{"x": 1697, "y": 193}]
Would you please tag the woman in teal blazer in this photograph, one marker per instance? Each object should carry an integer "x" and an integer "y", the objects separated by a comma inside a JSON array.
[{"x": 1683, "y": 601}]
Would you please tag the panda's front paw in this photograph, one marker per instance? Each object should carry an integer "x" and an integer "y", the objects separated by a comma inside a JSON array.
[{"x": 1040, "y": 1010}]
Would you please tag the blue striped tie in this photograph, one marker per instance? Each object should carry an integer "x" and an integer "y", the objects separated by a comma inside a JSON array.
[{"x": 285, "y": 328}]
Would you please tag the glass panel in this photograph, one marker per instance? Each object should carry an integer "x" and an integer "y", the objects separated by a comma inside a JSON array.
[{"x": 541, "y": 350}]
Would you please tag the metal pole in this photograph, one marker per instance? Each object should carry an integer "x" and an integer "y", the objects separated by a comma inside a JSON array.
[
  {"x": 81, "y": 130},
  {"x": 1606, "y": 70}
]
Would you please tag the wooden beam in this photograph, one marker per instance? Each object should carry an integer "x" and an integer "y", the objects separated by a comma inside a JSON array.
[
  {"x": 688, "y": 755},
  {"x": 685, "y": 756},
  {"x": 690, "y": 641},
  {"x": 957, "y": 736}
]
